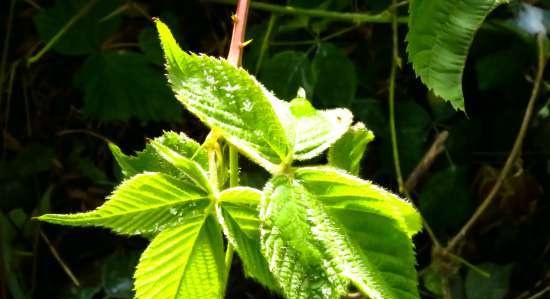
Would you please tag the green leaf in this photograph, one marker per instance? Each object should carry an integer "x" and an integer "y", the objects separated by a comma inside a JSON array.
[
  {"x": 440, "y": 35},
  {"x": 317, "y": 130},
  {"x": 348, "y": 151},
  {"x": 375, "y": 251},
  {"x": 339, "y": 190},
  {"x": 149, "y": 45},
  {"x": 182, "y": 262},
  {"x": 238, "y": 215},
  {"x": 188, "y": 167},
  {"x": 116, "y": 274},
  {"x": 314, "y": 130},
  {"x": 493, "y": 287},
  {"x": 149, "y": 160},
  {"x": 146, "y": 203},
  {"x": 346, "y": 230},
  {"x": 286, "y": 72},
  {"x": 8, "y": 258},
  {"x": 228, "y": 100},
  {"x": 298, "y": 261},
  {"x": 124, "y": 85},
  {"x": 87, "y": 34},
  {"x": 336, "y": 82},
  {"x": 445, "y": 198}
]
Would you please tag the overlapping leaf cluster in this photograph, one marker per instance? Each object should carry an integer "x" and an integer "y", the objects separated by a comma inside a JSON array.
[{"x": 312, "y": 232}]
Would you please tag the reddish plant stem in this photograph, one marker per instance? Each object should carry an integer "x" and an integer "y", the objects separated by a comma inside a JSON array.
[{"x": 239, "y": 28}]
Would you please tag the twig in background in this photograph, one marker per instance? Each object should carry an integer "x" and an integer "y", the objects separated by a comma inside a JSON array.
[
  {"x": 516, "y": 149},
  {"x": 60, "y": 260},
  {"x": 438, "y": 146}
]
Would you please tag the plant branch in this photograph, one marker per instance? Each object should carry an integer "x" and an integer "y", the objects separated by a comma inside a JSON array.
[
  {"x": 438, "y": 146},
  {"x": 60, "y": 260},
  {"x": 356, "y": 18},
  {"x": 395, "y": 61},
  {"x": 265, "y": 43},
  {"x": 516, "y": 149}
]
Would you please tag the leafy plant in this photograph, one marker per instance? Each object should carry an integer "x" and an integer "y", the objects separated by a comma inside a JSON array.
[
  {"x": 312, "y": 232},
  {"x": 440, "y": 35}
]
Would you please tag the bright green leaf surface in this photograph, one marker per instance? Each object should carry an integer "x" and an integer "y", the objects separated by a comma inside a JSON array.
[
  {"x": 124, "y": 85},
  {"x": 314, "y": 130},
  {"x": 182, "y": 262},
  {"x": 228, "y": 100},
  {"x": 87, "y": 34},
  {"x": 238, "y": 215},
  {"x": 145, "y": 203},
  {"x": 378, "y": 226},
  {"x": 348, "y": 151},
  {"x": 150, "y": 160},
  {"x": 300, "y": 263},
  {"x": 190, "y": 169},
  {"x": 440, "y": 35},
  {"x": 339, "y": 190}
]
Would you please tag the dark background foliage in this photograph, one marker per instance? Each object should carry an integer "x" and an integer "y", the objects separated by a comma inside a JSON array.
[{"x": 103, "y": 80}]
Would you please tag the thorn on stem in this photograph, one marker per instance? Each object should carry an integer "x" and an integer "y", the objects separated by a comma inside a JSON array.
[
  {"x": 234, "y": 18},
  {"x": 246, "y": 43}
]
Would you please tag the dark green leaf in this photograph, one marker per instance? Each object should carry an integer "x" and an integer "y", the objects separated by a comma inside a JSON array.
[
  {"x": 445, "y": 199},
  {"x": 88, "y": 33},
  {"x": 493, "y": 287},
  {"x": 287, "y": 71},
  {"x": 336, "y": 80},
  {"x": 123, "y": 85}
]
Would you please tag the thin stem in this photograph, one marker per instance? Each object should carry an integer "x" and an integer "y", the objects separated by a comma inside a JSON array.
[
  {"x": 233, "y": 167},
  {"x": 5, "y": 50},
  {"x": 516, "y": 149},
  {"x": 213, "y": 168},
  {"x": 356, "y": 18},
  {"x": 60, "y": 260},
  {"x": 265, "y": 42},
  {"x": 61, "y": 32},
  {"x": 234, "y": 57},
  {"x": 391, "y": 101},
  {"x": 539, "y": 294},
  {"x": 395, "y": 64}
]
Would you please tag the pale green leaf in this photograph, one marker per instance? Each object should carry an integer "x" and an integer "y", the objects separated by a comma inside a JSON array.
[
  {"x": 366, "y": 231},
  {"x": 230, "y": 101},
  {"x": 299, "y": 262},
  {"x": 146, "y": 203},
  {"x": 186, "y": 261},
  {"x": 150, "y": 160},
  {"x": 440, "y": 35},
  {"x": 238, "y": 215},
  {"x": 346, "y": 153},
  {"x": 190, "y": 169},
  {"x": 339, "y": 190},
  {"x": 314, "y": 130}
]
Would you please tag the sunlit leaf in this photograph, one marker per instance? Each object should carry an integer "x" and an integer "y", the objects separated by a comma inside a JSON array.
[
  {"x": 440, "y": 35},
  {"x": 146, "y": 203}
]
